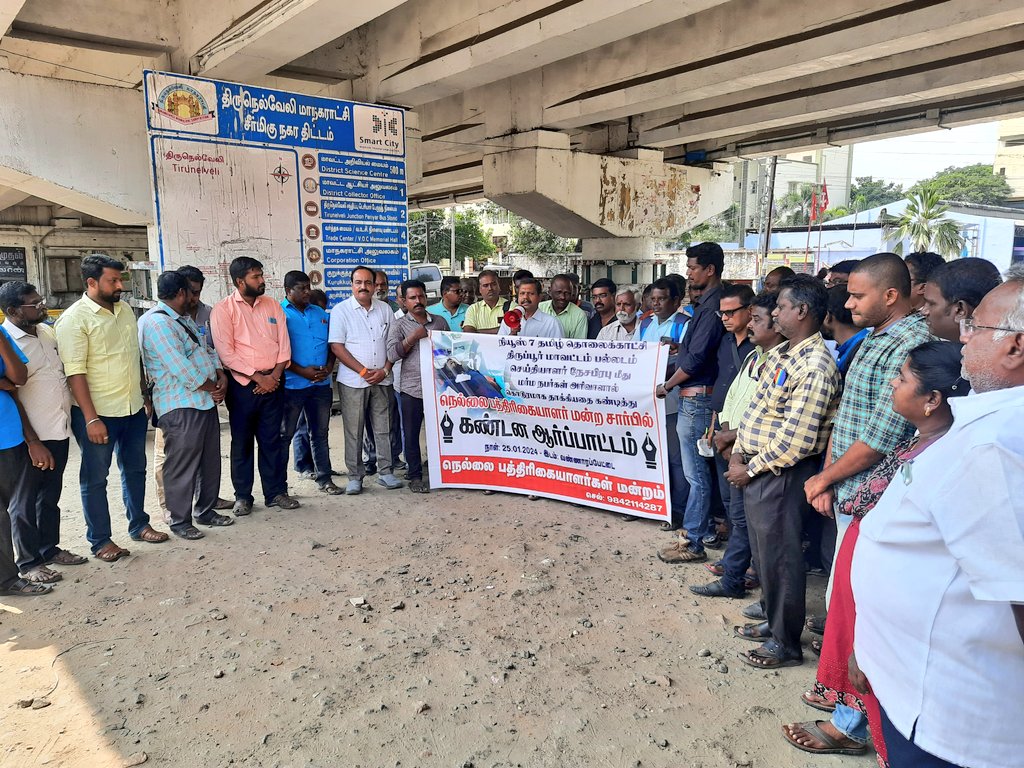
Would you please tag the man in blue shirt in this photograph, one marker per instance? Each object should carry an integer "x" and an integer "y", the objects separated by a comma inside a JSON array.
[
  {"x": 187, "y": 382},
  {"x": 451, "y": 308},
  {"x": 307, "y": 380},
  {"x": 14, "y": 466}
]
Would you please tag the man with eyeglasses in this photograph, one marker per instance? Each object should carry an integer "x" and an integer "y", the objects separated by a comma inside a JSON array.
[
  {"x": 46, "y": 413},
  {"x": 450, "y": 308},
  {"x": 602, "y": 294}
]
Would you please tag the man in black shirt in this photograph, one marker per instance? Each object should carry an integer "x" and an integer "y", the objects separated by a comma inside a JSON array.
[{"x": 696, "y": 371}]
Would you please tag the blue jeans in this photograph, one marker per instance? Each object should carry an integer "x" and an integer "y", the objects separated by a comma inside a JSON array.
[
  {"x": 692, "y": 424},
  {"x": 904, "y": 753},
  {"x": 679, "y": 491},
  {"x": 851, "y": 723},
  {"x": 302, "y": 453},
  {"x": 314, "y": 405},
  {"x": 127, "y": 437},
  {"x": 737, "y": 556}
]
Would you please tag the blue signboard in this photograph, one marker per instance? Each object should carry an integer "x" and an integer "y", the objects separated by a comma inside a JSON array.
[{"x": 297, "y": 181}]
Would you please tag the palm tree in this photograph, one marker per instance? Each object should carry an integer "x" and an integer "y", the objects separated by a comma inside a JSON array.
[{"x": 925, "y": 225}]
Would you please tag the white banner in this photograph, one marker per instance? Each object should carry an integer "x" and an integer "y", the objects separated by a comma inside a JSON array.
[{"x": 566, "y": 419}]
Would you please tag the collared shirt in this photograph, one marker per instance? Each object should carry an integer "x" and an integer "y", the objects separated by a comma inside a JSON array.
[
  {"x": 202, "y": 321},
  {"x": 307, "y": 333},
  {"x": 364, "y": 332},
  {"x": 866, "y": 412},
  {"x": 937, "y": 563},
  {"x": 615, "y": 331},
  {"x": 743, "y": 387},
  {"x": 595, "y": 325},
  {"x": 730, "y": 358},
  {"x": 654, "y": 331},
  {"x": 45, "y": 396},
  {"x": 250, "y": 339},
  {"x": 175, "y": 364},
  {"x": 454, "y": 319},
  {"x": 483, "y": 317},
  {"x": 846, "y": 351},
  {"x": 11, "y": 433},
  {"x": 790, "y": 415},
  {"x": 541, "y": 325},
  {"x": 104, "y": 347},
  {"x": 698, "y": 354},
  {"x": 410, "y": 374},
  {"x": 572, "y": 319}
]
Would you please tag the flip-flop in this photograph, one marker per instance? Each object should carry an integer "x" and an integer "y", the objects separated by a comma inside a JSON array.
[
  {"x": 832, "y": 746},
  {"x": 814, "y": 701},
  {"x": 25, "y": 588},
  {"x": 757, "y": 631},
  {"x": 769, "y": 656}
]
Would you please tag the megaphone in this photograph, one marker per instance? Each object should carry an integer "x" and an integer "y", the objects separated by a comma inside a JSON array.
[{"x": 514, "y": 318}]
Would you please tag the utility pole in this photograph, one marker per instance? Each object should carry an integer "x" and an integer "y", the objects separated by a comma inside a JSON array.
[
  {"x": 767, "y": 203},
  {"x": 451, "y": 267}
]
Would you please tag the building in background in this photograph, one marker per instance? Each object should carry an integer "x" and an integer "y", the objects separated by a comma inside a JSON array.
[{"x": 1009, "y": 161}]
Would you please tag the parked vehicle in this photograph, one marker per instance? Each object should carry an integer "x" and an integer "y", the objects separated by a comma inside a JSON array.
[{"x": 430, "y": 275}]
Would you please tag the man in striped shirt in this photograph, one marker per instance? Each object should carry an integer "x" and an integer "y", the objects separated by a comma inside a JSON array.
[
  {"x": 187, "y": 384},
  {"x": 779, "y": 444}
]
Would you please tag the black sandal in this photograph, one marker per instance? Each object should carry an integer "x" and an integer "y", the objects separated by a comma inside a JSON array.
[
  {"x": 770, "y": 656},
  {"x": 757, "y": 631},
  {"x": 25, "y": 588}
]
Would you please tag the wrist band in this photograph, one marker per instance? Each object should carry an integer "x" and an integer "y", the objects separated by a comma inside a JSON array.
[
  {"x": 92, "y": 421},
  {"x": 362, "y": 373}
]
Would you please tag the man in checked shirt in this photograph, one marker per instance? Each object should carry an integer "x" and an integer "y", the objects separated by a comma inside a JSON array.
[{"x": 778, "y": 447}]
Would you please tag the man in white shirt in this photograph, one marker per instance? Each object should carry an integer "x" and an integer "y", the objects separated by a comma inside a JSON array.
[
  {"x": 358, "y": 338},
  {"x": 938, "y": 573},
  {"x": 624, "y": 325},
  {"x": 46, "y": 401},
  {"x": 533, "y": 321}
]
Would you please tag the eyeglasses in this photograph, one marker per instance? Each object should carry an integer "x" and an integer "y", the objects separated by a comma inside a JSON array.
[
  {"x": 725, "y": 314},
  {"x": 37, "y": 305},
  {"x": 968, "y": 327}
]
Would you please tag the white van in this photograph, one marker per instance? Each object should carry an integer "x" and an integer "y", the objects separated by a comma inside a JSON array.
[{"x": 430, "y": 275}]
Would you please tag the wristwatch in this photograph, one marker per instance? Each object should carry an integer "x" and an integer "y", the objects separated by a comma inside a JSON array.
[{"x": 751, "y": 474}]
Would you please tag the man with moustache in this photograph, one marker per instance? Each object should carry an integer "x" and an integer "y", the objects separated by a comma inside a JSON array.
[
  {"x": 380, "y": 284},
  {"x": 97, "y": 338},
  {"x": 46, "y": 403},
  {"x": 733, "y": 568},
  {"x": 602, "y": 294},
  {"x": 952, "y": 292},
  {"x": 572, "y": 319},
  {"x": 358, "y": 337},
  {"x": 938, "y": 572},
  {"x": 624, "y": 325},
  {"x": 485, "y": 315},
  {"x": 250, "y": 332},
  {"x": 403, "y": 345},
  {"x": 533, "y": 322}
]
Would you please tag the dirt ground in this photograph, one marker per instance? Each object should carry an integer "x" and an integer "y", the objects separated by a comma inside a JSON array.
[{"x": 496, "y": 632}]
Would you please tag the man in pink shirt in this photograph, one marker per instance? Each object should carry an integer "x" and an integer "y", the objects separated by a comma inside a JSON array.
[{"x": 250, "y": 334}]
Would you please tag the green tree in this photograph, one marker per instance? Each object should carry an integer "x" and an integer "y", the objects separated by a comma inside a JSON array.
[
  {"x": 925, "y": 225},
  {"x": 794, "y": 208},
  {"x": 718, "y": 229},
  {"x": 866, "y": 193},
  {"x": 470, "y": 237},
  {"x": 525, "y": 237},
  {"x": 968, "y": 184}
]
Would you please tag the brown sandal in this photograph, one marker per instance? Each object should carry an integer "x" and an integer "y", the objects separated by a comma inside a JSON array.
[
  {"x": 151, "y": 535},
  {"x": 110, "y": 552},
  {"x": 63, "y": 557}
]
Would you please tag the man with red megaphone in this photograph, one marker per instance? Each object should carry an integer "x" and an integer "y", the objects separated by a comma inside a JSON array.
[{"x": 525, "y": 319}]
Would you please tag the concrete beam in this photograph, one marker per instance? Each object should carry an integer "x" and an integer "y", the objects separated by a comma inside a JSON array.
[
  {"x": 9, "y": 197},
  {"x": 9, "y": 9},
  {"x": 147, "y": 24},
  {"x": 937, "y": 73},
  {"x": 92, "y": 160},
  {"x": 64, "y": 59},
  {"x": 278, "y": 33},
  {"x": 480, "y": 48}
]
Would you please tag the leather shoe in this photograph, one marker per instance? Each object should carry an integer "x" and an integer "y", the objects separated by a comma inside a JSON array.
[
  {"x": 242, "y": 507},
  {"x": 284, "y": 501},
  {"x": 715, "y": 589}
]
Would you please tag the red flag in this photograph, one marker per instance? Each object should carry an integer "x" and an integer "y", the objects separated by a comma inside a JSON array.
[
  {"x": 814, "y": 206},
  {"x": 824, "y": 197}
]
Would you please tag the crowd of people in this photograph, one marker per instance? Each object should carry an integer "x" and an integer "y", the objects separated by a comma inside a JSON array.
[{"x": 791, "y": 413}]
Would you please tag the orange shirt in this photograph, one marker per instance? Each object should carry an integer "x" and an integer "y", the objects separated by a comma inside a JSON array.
[{"x": 249, "y": 339}]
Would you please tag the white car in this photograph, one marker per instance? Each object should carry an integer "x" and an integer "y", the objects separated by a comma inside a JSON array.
[{"x": 430, "y": 275}]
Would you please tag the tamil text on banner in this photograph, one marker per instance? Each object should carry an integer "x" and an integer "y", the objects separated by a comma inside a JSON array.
[
  {"x": 296, "y": 181},
  {"x": 567, "y": 419}
]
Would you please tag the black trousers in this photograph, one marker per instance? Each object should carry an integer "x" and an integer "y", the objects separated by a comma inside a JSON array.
[
  {"x": 776, "y": 508},
  {"x": 256, "y": 419},
  {"x": 14, "y": 468},
  {"x": 35, "y": 526},
  {"x": 191, "y": 463},
  {"x": 412, "y": 424}
]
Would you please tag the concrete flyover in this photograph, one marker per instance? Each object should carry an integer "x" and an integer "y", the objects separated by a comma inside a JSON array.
[{"x": 568, "y": 111}]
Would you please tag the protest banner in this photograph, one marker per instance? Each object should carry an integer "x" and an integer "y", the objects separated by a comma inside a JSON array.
[{"x": 568, "y": 419}]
